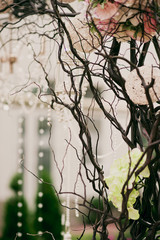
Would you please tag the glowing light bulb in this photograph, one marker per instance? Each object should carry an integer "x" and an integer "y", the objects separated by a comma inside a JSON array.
[
  {"x": 40, "y": 194},
  {"x": 41, "y": 167},
  {"x": 19, "y": 224},
  {"x": 41, "y": 154},
  {"x": 40, "y": 219},
  {"x": 19, "y": 234},
  {"x": 19, "y": 214},
  {"x": 40, "y": 205},
  {"x": 19, "y": 204}
]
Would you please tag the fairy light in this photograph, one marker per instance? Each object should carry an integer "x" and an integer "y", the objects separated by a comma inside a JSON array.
[
  {"x": 19, "y": 224},
  {"x": 20, "y": 153},
  {"x": 40, "y": 167},
  {"x": 76, "y": 207},
  {"x": 40, "y": 219},
  {"x": 19, "y": 204},
  {"x": 20, "y": 182},
  {"x": 40, "y": 205},
  {"x": 40, "y": 194},
  {"x": 19, "y": 214},
  {"x": 63, "y": 217},
  {"x": 49, "y": 115},
  {"x": 20, "y": 193},
  {"x": 44, "y": 121},
  {"x": 19, "y": 234},
  {"x": 41, "y": 130},
  {"x": 41, "y": 154}
]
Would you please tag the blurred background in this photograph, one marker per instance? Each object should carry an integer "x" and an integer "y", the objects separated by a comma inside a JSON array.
[{"x": 29, "y": 146}]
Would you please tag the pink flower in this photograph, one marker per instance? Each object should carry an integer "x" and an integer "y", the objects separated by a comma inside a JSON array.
[
  {"x": 106, "y": 11},
  {"x": 107, "y": 26},
  {"x": 111, "y": 237},
  {"x": 149, "y": 23}
]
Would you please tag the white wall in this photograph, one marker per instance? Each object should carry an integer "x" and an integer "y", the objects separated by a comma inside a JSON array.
[{"x": 8, "y": 150}]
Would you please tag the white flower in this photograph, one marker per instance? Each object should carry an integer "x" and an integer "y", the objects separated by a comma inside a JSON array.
[{"x": 134, "y": 86}]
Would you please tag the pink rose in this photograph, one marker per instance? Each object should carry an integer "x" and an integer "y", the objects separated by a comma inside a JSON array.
[
  {"x": 149, "y": 23},
  {"x": 107, "y": 26},
  {"x": 111, "y": 237},
  {"x": 106, "y": 11}
]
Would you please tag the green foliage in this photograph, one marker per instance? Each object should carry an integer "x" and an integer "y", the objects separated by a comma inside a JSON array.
[
  {"x": 11, "y": 216},
  {"x": 50, "y": 212},
  {"x": 14, "y": 183}
]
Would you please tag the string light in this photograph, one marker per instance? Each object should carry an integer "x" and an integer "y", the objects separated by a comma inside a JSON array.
[
  {"x": 40, "y": 167},
  {"x": 19, "y": 204},
  {"x": 19, "y": 234},
  {"x": 41, "y": 154},
  {"x": 49, "y": 115},
  {"x": 19, "y": 224},
  {"x": 19, "y": 214},
  {"x": 20, "y": 193},
  {"x": 40, "y": 194},
  {"x": 40, "y": 205},
  {"x": 44, "y": 121},
  {"x": 20, "y": 172},
  {"x": 76, "y": 207},
  {"x": 40, "y": 219},
  {"x": 41, "y": 131}
]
